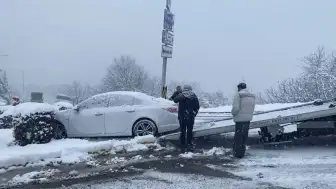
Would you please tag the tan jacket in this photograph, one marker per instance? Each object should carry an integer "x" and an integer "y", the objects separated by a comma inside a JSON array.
[{"x": 243, "y": 106}]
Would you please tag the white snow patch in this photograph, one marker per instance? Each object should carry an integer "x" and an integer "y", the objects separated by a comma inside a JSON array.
[
  {"x": 216, "y": 151},
  {"x": 32, "y": 176},
  {"x": 3, "y": 107},
  {"x": 28, "y": 108},
  {"x": 6, "y": 137},
  {"x": 149, "y": 139},
  {"x": 65, "y": 151},
  {"x": 73, "y": 173},
  {"x": 117, "y": 160},
  {"x": 137, "y": 157},
  {"x": 187, "y": 155}
]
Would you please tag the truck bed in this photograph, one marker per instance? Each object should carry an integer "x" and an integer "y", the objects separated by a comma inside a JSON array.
[{"x": 287, "y": 115}]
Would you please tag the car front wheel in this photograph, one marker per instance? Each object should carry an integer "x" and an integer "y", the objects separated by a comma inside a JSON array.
[
  {"x": 59, "y": 131},
  {"x": 144, "y": 127}
]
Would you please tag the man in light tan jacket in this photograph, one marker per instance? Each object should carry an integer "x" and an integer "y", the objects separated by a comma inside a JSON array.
[{"x": 242, "y": 112}]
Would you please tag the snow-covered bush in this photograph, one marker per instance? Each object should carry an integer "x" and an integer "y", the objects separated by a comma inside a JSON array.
[
  {"x": 35, "y": 128},
  {"x": 8, "y": 122},
  {"x": 32, "y": 122},
  {"x": 11, "y": 115}
]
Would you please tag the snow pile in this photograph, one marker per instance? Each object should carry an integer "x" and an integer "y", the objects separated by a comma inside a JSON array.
[
  {"x": 258, "y": 108},
  {"x": 28, "y": 108},
  {"x": 215, "y": 151},
  {"x": 6, "y": 137},
  {"x": 3, "y": 109},
  {"x": 33, "y": 176},
  {"x": 67, "y": 150}
]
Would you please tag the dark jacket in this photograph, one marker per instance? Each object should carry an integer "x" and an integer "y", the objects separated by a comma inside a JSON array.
[
  {"x": 188, "y": 104},
  {"x": 174, "y": 95}
]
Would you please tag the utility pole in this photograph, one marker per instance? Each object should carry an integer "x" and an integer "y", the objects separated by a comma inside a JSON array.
[
  {"x": 167, "y": 44},
  {"x": 23, "y": 85}
]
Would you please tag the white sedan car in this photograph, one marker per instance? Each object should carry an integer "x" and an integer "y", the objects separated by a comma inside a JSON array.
[{"x": 119, "y": 113}]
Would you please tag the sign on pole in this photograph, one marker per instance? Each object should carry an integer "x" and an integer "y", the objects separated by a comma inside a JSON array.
[
  {"x": 168, "y": 20},
  {"x": 167, "y": 38},
  {"x": 167, "y": 51},
  {"x": 167, "y": 43}
]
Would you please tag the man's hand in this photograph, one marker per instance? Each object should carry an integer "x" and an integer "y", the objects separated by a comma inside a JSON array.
[{"x": 174, "y": 95}]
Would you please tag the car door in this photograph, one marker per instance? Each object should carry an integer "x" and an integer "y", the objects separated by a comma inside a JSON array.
[
  {"x": 89, "y": 119},
  {"x": 120, "y": 115}
]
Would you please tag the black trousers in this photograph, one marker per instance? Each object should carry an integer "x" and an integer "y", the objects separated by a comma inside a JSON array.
[
  {"x": 186, "y": 127},
  {"x": 240, "y": 139}
]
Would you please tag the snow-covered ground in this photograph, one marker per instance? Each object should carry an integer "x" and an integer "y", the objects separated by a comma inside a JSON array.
[
  {"x": 63, "y": 151},
  {"x": 154, "y": 179},
  {"x": 298, "y": 169}
]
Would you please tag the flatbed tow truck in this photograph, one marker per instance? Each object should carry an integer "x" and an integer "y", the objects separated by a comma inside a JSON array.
[{"x": 313, "y": 118}]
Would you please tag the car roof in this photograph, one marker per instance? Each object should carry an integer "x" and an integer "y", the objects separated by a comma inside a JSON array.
[
  {"x": 139, "y": 95},
  {"x": 128, "y": 93}
]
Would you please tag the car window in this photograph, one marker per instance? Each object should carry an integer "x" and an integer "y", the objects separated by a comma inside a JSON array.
[
  {"x": 122, "y": 100},
  {"x": 94, "y": 102},
  {"x": 137, "y": 101},
  {"x": 110, "y": 101}
]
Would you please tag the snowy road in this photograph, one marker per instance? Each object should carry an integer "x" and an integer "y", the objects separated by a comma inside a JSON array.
[
  {"x": 299, "y": 168},
  {"x": 301, "y": 165}
]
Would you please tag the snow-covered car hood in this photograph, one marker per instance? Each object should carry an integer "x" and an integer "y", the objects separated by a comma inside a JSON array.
[{"x": 62, "y": 105}]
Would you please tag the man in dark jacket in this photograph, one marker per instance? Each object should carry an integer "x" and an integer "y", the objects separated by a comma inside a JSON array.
[
  {"x": 188, "y": 109},
  {"x": 178, "y": 91}
]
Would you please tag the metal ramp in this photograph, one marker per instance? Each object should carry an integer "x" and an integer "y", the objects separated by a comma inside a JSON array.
[{"x": 308, "y": 111}]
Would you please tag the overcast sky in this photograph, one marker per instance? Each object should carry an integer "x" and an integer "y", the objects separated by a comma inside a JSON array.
[{"x": 217, "y": 42}]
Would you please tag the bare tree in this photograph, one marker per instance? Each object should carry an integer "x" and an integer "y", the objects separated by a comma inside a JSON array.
[
  {"x": 124, "y": 75},
  {"x": 76, "y": 91},
  {"x": 90, "y": 90},
  {"x": 318, "y": 80},
  {"x": 152, "y": 86},
  {"x": 4, "y": 87}
]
